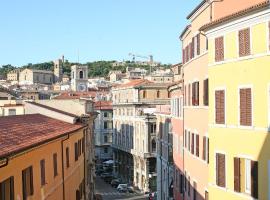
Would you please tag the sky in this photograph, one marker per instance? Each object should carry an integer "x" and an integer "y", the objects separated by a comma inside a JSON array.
[{"x": 35, "y": 31}]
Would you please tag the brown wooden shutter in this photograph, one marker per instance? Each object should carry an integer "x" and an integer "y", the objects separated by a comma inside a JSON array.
[
  {"x": 31, "y": 181},
  {"x": 193, "y": 93},
  {"x": 205, "y": 92},
  {"x": 192, "y": 143},
  {"x": 244, "y": 42},
  {"x": 237, "y": 179},
  {"x": 76, "y": 151},
  {"x": 220, "y": 170},
  {"x": 185, "y": 95},
  {"x": 55, "y": 172},
  {"x": 245, "y": 107},
  {"x": 42, "y": 172},
  {"x": 198, "y": 44},
  {"x": 197, "y": 145},
  {"x": 254, "y": 179},
  {"x": 204, "y": 148},
  {"x": 197, "y": 94},
  {"x": 192, "y": 47},
  {"x": 183, "y": 56},
  {"x": 189, "y": 94},
  {"x": 219, "y": 49},
  {"x": 220, "y": 106}
]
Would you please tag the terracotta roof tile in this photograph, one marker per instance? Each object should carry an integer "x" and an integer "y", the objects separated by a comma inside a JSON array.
[
  {"x": 103, "y": 105},
  {"x": 133, "y": 83},
  {"x": 20, "y": 132}
]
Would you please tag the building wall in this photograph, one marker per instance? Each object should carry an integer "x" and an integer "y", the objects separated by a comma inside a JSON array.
[
  {"x": 232, "y": 139},
  {"x": 196, "y": 117},
  {"x": 53, "y": 190}
]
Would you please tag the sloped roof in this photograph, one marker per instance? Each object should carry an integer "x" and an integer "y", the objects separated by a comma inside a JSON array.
[{"x": 21, "y": 132}]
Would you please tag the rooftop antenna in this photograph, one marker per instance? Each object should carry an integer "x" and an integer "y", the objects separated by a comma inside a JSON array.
[{"x": 78, "y": 56}]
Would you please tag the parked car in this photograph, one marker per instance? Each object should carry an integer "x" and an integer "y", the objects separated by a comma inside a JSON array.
[
  {"x": 130, "y": 189},
  {"x": 99, "y": 172},
  {"x": 115, "y": 182},
  {"x": 122, "y": 188}
]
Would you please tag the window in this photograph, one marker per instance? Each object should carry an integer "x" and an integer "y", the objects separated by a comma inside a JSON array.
[
  {"x": 27, "y": 181},
  {"x": 205, "y": 92},
  {"x": 189, "y": 140},
  {"x": 195, "y": 93},
  {"x": 11, "y": 112},
  {"x": 192, "y": 143},
  {"x": 245, "y": 107},
  {"x": 144, "y": 94},
  {"x": 67, "y": 157},
  {"x": 198, "y": 44},
  {"x": 219, "y": 49},
  {"x": 189, "y": 94},
  {"x": 246, "y": 176},
  {"x": 185, "y": 95},
  {"x": 220, "y": 170},
  {"x": 105, "y": 125},
  {"x": 105, "y": 139},
  {"x": 244, "y": 42},
  {"x": 106, "y": 150},
  {"x": 42, "y": 172},
  {"x": 105, "y": 114},
  {"x": 197, "y": 145},
  {"x": 7, "y": 189},
  {"x": 81, "y": 74},
  {"x": 206, "y": 149},
  {"x": 158, "y": 94},
  {"x": 153, "y": 145},
  {"x": 189, "y": 186},
  {"x": 55, "y": 171},
  {"x": 220, "y": 106},
  {"x": 83, "y": 144}
]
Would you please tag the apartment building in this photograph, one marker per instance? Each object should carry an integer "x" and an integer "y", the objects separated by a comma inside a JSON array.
[
  {"x": 134, "y": 136},
  {"x": 82, "y": 111},
  {"x": 14, "y": 75},
  {"x": 195, "y": 69},
  {"x": 103, "y": 130},
  {"x": 239, "y": 86},
  {"x": 43, "y": 158},
  {"x": 165, "y": 164}
]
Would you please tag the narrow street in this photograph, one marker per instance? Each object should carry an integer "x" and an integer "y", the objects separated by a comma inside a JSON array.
[{"x": 110, "y": 193}]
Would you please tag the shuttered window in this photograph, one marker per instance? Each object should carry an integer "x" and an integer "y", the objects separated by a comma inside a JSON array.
[
  {"x": 192, "y": 48},
  {"x": 197, "y": 145},
  {"x": 189, "y": 140},
  {"x": 219, "y": 49},
  {"x": 76, "y": 151},
  {"x": 220, "y": 170},
  {"x": 189, "y": 94},
  {"x": 198, "y": 44},
  {"x": 192, "y": 143},
  {"x": 183, "y": 56},
  {"x": 254, "y": 179},
  {"x": 220, "y": 106},
  {"x": 205, "y": 92},
  {"x": 185, "y": 95},
  {"x": 237, "y": 175},
  {"x": 195, "y": 94},
  {"x": 244, "y": 42},
  {"x": 42, "y": 172},
  {"x": 67, "y": 157},
  {"x": 194, "y": 191},
  {"x": 55, "y": 171},
  {"x": 7, "y": 189},
  {"x": 245, "y": 107},
  {"x": 27, "y": 181}
]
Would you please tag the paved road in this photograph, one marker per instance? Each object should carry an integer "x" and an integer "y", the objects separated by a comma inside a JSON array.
[{"x": 110, "y": 193}]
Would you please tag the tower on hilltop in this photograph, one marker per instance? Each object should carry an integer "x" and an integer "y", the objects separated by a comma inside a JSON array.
[{"x": 58, "y": 69}]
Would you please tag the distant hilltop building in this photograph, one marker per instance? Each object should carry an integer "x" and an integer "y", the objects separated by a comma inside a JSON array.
[
  {"x": 79, "y": 78},
  {"x": 14, "y": 75},
  {"x": 32, "y": 76},
  {"x": 58, "y": 69}
]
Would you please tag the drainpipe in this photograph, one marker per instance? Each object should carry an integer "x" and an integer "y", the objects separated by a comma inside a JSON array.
[
  {"x": 63, "y": 168},
  {"x": 84, "y": 161}
]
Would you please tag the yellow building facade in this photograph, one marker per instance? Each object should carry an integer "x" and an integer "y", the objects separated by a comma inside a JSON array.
[
  {"x": 50, "y": 164},
  {"x": 239, "y": 105}
]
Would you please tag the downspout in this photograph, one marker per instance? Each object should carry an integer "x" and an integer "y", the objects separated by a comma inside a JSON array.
[
  {"x": 84, "y": 161},
  {"x": 63, "y": 168}
]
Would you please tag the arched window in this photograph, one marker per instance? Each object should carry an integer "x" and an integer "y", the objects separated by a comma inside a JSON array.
[
  {"x": 81, "y": 74},
  {"x": 154, "y": 145},
  {"x": 158, "y": 94}
]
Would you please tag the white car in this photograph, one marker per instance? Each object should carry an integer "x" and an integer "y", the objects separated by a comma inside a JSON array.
[{"x": 122, "y": 188}]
